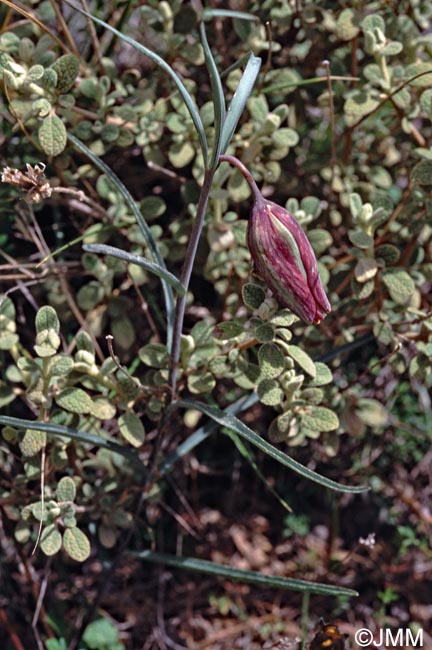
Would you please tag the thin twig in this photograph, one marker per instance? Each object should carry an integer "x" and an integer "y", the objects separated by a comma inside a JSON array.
[
  {"x": 30, "y": 16},
  {"x": 109, "y": 339},
  {"x": 392, "y": 94},
  {"x": 65, "y": 29},
  {"x": 43, "y": 247},
  {"x": 326, "y": 65},
  {"x": 42, "y": 592},
  {"x": 146, "y": 310},
  {"x": 13, "y": 636},
  {"x": 268, "y": 63},
  {"x": 94, "y": 38},
  {"x": 42, "y": 490}
]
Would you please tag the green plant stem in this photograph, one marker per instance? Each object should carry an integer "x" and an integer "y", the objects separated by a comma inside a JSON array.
[
  {"x": 190, "y": 259},
  {"x": 185, "y": 277},
  {"x": 385, "y": 71}
]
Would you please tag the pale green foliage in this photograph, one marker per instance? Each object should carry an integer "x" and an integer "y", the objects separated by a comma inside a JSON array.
[{"x": 366, "y": 214}]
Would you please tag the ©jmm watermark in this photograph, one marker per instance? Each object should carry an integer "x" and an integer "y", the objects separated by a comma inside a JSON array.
[{"x": 386, "y": 638}]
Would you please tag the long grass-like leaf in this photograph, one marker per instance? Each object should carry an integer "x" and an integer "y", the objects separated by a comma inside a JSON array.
[
  {"x": 274, "y": 88},
  {"x": 201, "y": 434},
  {"x": 247, "y": 454},
  {"x": 190, "y": 105},
  {"x": 236, "y": 65},
  {"x": 233, "y": 423},
  {"x": 122, "y": 189},
  {"x": 239, "y": 100},
  {"x": 140, "y": 261},
  {"x": 74, "y": 434},
  {"x": 208, "y": 14},
  {"x": 218, "y": 96},
  {"x": 240, "y": 575}
]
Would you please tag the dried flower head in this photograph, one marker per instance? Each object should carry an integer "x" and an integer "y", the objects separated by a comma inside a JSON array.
[{"x": 33, "y": 181}]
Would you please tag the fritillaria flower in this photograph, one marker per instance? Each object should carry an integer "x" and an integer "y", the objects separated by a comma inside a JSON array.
[
  {"x": 282, "y": 255},
  {"x": 284, "y": 259}
]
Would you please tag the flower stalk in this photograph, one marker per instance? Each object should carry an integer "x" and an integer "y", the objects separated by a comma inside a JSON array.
[{"x": 185, "y": 277}]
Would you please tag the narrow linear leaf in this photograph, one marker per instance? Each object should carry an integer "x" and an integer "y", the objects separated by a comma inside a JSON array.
[
  {"x": 204, "y": 432},
  {"x": 158, "y": 270},
  {"x": 122, "y": 189},
  {"x": 74, "y": 434},
  {"x": 217, "y": 93},
  {"x": 231, "y": 422},
  {"x": 236, "y": 65},
  {"x": 239, "y": 100},
  {"x": 239, "y": 575},
  {"x": 286, "y": 85},
  {"x": 244, "y": 450},
  {"x": 208, "y": 14},
  {"x": 193, "y": 111}
]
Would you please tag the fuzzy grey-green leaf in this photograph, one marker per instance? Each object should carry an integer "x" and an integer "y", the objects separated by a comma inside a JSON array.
[
  {"x": 271, "y": 361},
  {"x": 74, "y": 400},
  {"x": 253, "y": 295},
  {"x": 387, "y": 253},
  {"x": 347, "y": 26},
  {"x": 360, "y": 239},
  {"x": 181, "y": 154},
  {"x": 365, "y": 269},
  {"x": 323, "y": 375},
  {"x": 201, "y": 383},
  {"x": 358, "y": 105},
  {"x": 76, "y": 544},
  {"x": 61, "y": 366},
  {"x": 269, "y": 392},
  {"x": 39, "y": 511},
  {"x": 46, "y": 319},
  {"x": 154, "y": 355},
  {"x": 371, "y": 412},
  {"x": 320, "y": 418},
  {"x": 52, "y": 135},
  {"x": 399, "y": 284},
  {"x": 66, "y": 489},
  {"x": 264, "y": 332},
  {"x": 320, "y": 240},
  {"x": 131, "y": 428},
  {"x": 103, "y": 408},
  {"x": 67, "y": 69},
  {"x": 51, "y": 540},
  {"x": 422, "y": 173},
  {"x": 303, "y": 359},
  {"x": 32, "y": 443}
]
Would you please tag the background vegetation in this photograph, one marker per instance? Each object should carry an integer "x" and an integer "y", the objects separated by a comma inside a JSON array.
[{"x": 109, "y": 476}]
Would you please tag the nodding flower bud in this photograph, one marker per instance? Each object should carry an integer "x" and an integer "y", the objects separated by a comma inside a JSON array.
[{"x": 283, "y": 256}]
